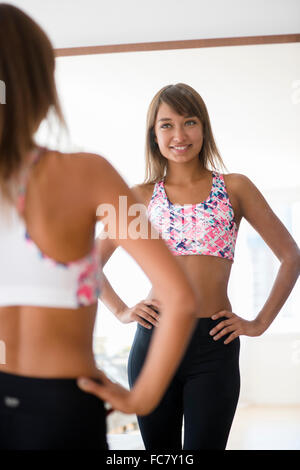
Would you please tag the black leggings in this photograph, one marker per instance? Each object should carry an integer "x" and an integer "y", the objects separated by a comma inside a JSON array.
[
  {"x": 204, "y": 390},
  {"x": 42, "y": 413}
]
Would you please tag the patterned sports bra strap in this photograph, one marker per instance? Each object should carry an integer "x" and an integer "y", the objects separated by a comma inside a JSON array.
[
  {"x": 154, "y": 193},
  {"x": 222, "y": 182},
  {"x": 220, "y": 178}
]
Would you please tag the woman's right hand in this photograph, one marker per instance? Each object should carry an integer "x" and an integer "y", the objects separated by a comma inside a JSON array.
[
  {"x": 111, "y": 392},
  {"x": 115, "y": 394},
  {"x": 143, "y": 313}
]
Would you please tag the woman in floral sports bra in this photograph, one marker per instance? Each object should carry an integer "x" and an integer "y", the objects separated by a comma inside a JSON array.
[
  {"x": 197, "y": 210},
  {"x": 50, "y": 268}
]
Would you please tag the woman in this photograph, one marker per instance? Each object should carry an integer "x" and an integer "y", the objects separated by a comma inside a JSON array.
[
  {"x": 49, "y": 271},
  {"x": 180, "y": 149}
]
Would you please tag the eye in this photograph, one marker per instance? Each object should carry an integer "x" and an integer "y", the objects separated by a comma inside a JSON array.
[
  {"x": 191, "y": 122},
  {"x": 165, "y": 126}
]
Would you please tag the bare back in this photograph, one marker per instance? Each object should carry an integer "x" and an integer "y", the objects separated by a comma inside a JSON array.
[{"x": 60, "y": 221}]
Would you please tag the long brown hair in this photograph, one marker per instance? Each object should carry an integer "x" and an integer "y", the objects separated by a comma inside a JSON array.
[
  {"x": 27, "y": 66},
  {"x": 184, "y": 100}
]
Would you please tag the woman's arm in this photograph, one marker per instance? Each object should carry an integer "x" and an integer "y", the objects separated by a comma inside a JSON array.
[
  {"x": 174, "y": 293},
  {"x": 258, "y": 213},
  {"x": 108, "y": 296},
  {"x": 141, "y": 312}
]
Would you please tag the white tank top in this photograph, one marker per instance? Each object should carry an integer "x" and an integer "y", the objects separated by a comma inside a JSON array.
[{"x": 29, "y": 277}]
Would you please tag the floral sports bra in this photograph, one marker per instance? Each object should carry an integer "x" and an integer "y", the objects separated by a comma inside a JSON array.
[{"x": 205, "y": 228}]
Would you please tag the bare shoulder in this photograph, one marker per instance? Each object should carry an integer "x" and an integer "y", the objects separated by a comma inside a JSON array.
[
  {"x": 143, "y": 192},
  {"x": 82, "y": 160},
  {"x": 84, "y": 168},
  {"x": 257, "y": 211},
  {"x": 250, "y": 200},
  {"x": 237, "y": 181},
  {"x": 73, "y": 161},
  {"x": 82, "y": 175},
  {"x": 90, "y": 172},
  {"x": 239, "y": 185},
  {"x": 239, "y": 188}
]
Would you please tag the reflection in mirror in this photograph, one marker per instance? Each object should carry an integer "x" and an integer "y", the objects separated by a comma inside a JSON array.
[{"x": 253, "y": 98}]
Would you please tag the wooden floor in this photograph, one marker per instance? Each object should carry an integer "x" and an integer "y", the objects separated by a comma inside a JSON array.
[{"x": 254, "y": 428}]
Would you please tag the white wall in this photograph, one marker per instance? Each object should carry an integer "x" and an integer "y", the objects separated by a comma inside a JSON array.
[
  {"x": 270, "y": 369},
  {"x": 252, "y": 94},
  {"x": 72, "y": 23},
  {"x": 253, "y": 98}
]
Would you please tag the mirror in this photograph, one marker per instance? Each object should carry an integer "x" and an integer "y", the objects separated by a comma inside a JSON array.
[{"x": 252, "y": 94}]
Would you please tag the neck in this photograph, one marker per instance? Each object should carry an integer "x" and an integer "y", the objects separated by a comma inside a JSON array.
[{"x": 185, "y": 173}]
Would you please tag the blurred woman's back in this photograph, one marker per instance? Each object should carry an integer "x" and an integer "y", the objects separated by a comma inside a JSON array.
[
  {"x": 50, "y": 271},
  {"x": 44, "y": 214},
  {"x": 49, "y": 286}
]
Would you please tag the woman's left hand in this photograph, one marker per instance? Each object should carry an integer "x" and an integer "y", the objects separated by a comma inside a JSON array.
[{"x": 234, "y": 325}]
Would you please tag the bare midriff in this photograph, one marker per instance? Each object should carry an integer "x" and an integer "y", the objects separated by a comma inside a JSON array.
[
  {"x": 209, "y": 275},
  {"x": 48, "y": 342}
]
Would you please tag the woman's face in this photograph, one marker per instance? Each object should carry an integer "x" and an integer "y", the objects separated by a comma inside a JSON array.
[{"x": 179, "y": 138}]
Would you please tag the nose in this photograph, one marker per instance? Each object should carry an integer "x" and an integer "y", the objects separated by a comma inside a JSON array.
[{"x": 179, "y": 134}]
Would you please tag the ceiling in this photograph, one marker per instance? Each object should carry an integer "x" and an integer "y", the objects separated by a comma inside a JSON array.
[{"x": 74, "y": 23}]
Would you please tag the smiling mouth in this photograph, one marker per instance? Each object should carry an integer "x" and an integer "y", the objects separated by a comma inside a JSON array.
[{"x": 180, "y": 147}]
